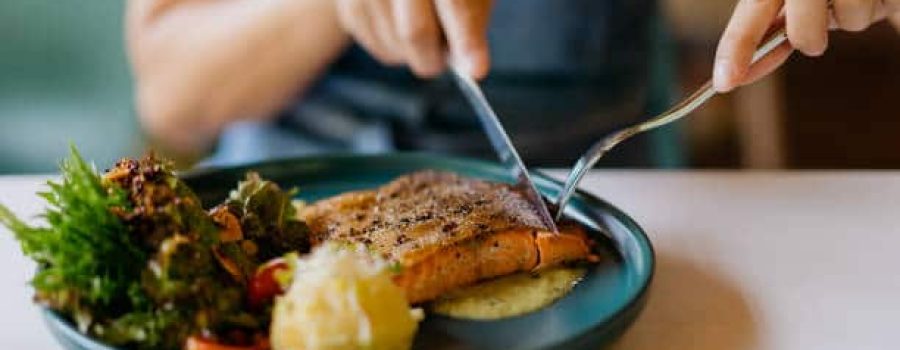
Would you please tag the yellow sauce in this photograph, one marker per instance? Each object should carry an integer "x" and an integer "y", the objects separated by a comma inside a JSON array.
[{"x": 509, "y": 296}]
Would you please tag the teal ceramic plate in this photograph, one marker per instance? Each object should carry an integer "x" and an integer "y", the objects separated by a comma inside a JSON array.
[{"x": 596, "y": 311}]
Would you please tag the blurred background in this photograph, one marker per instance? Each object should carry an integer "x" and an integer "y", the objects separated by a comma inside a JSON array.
[{"x": 64, "y": 79}]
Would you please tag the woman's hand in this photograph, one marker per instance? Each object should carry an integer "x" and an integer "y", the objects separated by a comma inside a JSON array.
[
  {"x": 807, "y": 23},
  {"x": 420, "y": 33}
]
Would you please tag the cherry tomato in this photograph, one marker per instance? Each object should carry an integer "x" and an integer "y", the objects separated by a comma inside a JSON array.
[
  {"x": 263, "y": 286},
  {"x": 200, "y": 343}
]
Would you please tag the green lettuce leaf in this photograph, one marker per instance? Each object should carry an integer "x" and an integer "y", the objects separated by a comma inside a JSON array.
[{"x": 88, "y": 263}]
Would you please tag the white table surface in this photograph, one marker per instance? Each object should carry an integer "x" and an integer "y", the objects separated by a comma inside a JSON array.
[{"x": 745, "y": 260}]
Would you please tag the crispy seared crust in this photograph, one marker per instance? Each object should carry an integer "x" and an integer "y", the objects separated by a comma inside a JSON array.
[{"x": 446, "y": 231}]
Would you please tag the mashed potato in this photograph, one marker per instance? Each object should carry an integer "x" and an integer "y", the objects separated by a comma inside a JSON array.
[{"x": 342, "y": 298}]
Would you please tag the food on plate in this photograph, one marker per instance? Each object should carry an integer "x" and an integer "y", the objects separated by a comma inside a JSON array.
[
  {"x": 444, "y": 231},
  {"x": 509, "y": 296},
  {"x": 134, "y": 259},
  {"x": 344, "y": 299}
]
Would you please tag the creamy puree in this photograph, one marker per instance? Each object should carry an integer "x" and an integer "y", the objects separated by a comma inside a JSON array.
[{"x": 509, "y": 296}]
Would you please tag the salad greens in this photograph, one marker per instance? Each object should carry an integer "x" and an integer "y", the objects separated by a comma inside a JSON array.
[
  {"x": 134, "y": 259},
  {"x": 88, "y": 267},
  {"x": 267, "y": 215}
]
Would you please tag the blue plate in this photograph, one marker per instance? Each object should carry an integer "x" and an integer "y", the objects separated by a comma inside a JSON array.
[{"x": 595, "y": 312}]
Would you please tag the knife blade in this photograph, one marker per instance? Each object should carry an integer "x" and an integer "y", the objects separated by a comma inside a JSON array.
[{"x": 501, "y": 143}]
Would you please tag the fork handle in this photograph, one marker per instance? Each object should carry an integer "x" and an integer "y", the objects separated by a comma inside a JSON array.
[
  {"x": 706, "y": 91},
  {"x": 683, "y": 108}
]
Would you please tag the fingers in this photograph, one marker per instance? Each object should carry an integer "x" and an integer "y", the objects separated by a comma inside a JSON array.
[
  {"x": 382, "y": 16},
  {"x": 413, "y": 32},
  {"x": 419, "y": 36},
  {"x": 807, "y": 25},
  {"x": 465, "y": 27},
  {"x": 768, "y": 64},
  {"x": 745, "y": 30},
  {"x": 358, "y": 19},
  {"x": 854, "y": 15},
  {"x": 895, "y": 21}
]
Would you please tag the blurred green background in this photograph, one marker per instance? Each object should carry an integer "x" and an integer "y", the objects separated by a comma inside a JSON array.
[{"x": 63, "y": 79}]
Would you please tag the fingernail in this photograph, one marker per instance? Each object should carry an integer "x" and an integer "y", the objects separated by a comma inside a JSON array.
[
  {"x": 819, "y": 51},
  {"x": 722, "y": 76}
]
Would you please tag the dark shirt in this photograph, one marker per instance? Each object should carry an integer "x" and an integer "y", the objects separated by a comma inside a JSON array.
[{"x": 563, "y": 72}]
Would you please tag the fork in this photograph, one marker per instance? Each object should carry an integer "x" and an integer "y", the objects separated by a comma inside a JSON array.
[{"x": 683, "y": 108}]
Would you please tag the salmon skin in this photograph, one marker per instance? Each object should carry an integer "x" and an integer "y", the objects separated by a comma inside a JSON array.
[{"x": 445, "y": 231}]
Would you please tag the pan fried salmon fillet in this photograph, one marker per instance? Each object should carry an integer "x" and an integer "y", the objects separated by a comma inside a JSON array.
[{"x": 445, "y": 231}]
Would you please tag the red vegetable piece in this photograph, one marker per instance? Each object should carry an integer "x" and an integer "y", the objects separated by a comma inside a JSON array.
[
  {"x": 200, "y": 343},
  {"x": 263, "y": 286}
]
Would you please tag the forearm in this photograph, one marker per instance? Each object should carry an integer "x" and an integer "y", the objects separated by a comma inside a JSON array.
[{"x": 199, "y": 64}]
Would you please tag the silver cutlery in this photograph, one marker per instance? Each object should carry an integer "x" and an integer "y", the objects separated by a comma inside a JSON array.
[
  {"x": 683, "y": 108},
  {"x": 499, "y": 139}
]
